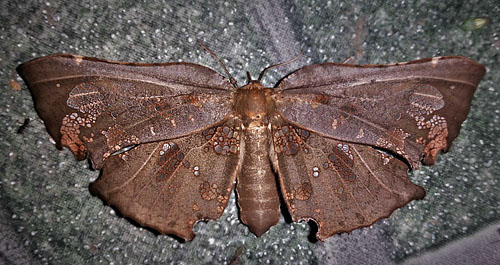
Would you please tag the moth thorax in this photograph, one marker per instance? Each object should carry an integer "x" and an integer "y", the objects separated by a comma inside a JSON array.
[{"x": 254, "y": 104}]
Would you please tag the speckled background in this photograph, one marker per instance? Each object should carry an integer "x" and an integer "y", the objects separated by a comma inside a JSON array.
[{"x": 47, "y": 215}]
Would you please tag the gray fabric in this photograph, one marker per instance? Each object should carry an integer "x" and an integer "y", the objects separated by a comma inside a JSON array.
[
  {"x": 48, "y": 216},
  {"x": 479, "y": 248}
]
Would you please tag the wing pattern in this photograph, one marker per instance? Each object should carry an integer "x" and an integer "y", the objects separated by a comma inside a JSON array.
[
  {"x": 170, "y": 185},
  {"x": 410, "y": 109},
  {"x": 340, "y": 185},
  {"x": 172, "y": 138},
  {"x": 111, "y": 105}
]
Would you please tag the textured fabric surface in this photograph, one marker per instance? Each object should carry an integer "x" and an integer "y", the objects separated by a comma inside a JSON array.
[{"x": 47, "y": 215}]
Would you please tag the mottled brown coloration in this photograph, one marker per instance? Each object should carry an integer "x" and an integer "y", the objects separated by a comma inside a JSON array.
[{"x": 339, "y": 136}]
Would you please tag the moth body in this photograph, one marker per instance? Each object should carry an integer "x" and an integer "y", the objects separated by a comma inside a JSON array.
[{"x": 256, "y": 184}]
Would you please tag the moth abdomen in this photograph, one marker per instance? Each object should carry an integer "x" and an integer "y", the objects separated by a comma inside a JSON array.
[{"x": 256, "y": 186}]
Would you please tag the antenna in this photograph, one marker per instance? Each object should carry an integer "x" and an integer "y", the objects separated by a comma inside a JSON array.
[
  {"x": 231, "y": 78},
  {"x": 280, "y": 64}
]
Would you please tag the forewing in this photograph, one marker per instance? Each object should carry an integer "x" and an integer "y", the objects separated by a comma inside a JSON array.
[
  {"x": 410, "y": 109},
  {"x": 170, "y": 185},
  {"x": 341, "y": 186},
  {"x": 97, "y": 107}
]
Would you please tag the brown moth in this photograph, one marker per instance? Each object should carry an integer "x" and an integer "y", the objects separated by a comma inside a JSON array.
[{"x": 340, "y": 137}]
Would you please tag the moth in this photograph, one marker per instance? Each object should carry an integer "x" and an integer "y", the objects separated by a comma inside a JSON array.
[{"x": 173, "y": 138}]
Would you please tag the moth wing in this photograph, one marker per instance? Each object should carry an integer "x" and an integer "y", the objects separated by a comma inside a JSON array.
[
  {"x": 170, "y": 185},
  {"x": 341, "y": 186},
  {"x": 411, "y": 109},
  {"x": 96, "y": 107}
]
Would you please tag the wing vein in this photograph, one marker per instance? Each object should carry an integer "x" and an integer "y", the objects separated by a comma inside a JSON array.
[
  {"x": 373, "y": 173},
  {"x": 374, "y": 81},
  {"x": 154, "y": 82},
  {"x": 368, "y": 123},
  {"x": 137, "y": 171}
]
